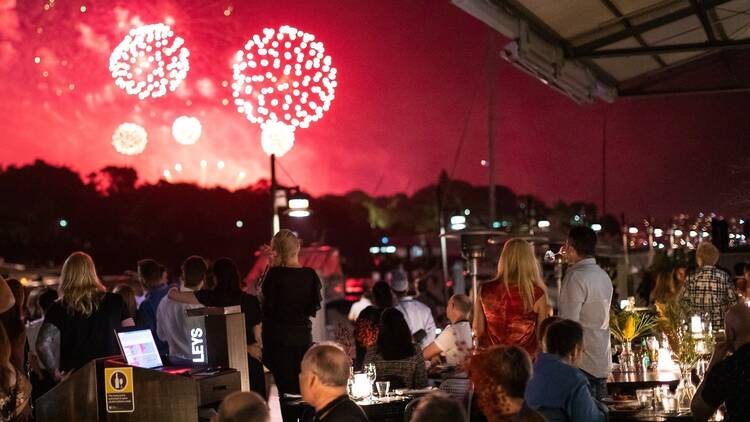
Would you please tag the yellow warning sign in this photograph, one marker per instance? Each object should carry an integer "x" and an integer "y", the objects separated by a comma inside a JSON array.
[{"x": 118, "y": 389}]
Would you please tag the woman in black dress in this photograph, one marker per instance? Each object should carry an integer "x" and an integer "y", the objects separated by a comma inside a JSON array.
[
  {"x": 83, "y": 319},
  {"x": 290, "y": 297},
  {"x": 228, "y": 293}
]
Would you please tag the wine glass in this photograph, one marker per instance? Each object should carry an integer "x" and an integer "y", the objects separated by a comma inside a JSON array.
[{"x": 371, "y": 372}]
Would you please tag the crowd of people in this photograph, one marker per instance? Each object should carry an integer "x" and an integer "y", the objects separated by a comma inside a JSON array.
[{"x": 524, "y": 363}]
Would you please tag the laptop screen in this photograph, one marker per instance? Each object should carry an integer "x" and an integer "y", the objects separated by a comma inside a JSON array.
[{"x": 139, "y": 348}]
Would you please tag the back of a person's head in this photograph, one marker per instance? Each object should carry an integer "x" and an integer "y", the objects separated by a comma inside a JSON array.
[
  {"x": 243, "y": 406},
  {"x": 541, "y": 330},
  {"x": 507, "y": 367},
  {"x": 583, "y": 240},
  {"x": 285, "y": 246},
  {"x": 227, "y": 276},
  {"x": 80, "y": 289},
  {"x": 150, "y": 271},
  {"x": 194, "y": 271},
  {"x": 46, "y": 298},
  {"x": 438, "y": 407},
  {"x": 329, "y": 363},
  {"x": 382, "y": 296},
  {"x": 128, "y": 295},
  {"x": 19, "y": 296},
  {"x": 394, "y": 339},
  {"x": 707, "y": 253},
  {"x": 563, "y": 337},
  {"x": 462, "y": 303},
  {"x": 518, "y": 269}
]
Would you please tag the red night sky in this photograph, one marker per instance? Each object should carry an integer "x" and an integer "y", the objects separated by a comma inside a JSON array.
[{"x": 408, "y": 71}]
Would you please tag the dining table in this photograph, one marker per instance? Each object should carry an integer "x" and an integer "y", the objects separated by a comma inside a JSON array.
[
  {"x": 385, "y": 409},
  {"x": 628, "y": 382},
  {"x": 625, "y": 384}
]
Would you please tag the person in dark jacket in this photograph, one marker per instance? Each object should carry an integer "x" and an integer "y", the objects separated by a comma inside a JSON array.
[{"x": 290, "y": 297}]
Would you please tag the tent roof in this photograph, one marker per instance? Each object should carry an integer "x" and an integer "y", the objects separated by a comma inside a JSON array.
[{"x": 635, "y": 45}]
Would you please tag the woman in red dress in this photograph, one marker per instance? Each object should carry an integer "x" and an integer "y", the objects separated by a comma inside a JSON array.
[{"x": 515, "y": 302}]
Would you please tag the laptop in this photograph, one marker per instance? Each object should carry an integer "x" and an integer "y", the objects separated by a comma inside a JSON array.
[{"x": 139, "y": 349}]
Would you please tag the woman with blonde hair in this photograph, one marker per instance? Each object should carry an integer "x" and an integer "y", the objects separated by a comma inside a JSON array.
[
  {"x": 290, "y": 297},
  {"x": 515, "y": 302},
  {"x": 80, "y": 325}
]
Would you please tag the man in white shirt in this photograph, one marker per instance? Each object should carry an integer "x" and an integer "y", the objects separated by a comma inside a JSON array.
[
  {"x": 455, "y": 342},
  {"x": 417, "y": 314},
  {"x": 586, "y": 297},
  {"x": 361, "y": 304},
  {"x": 171, "y": 316}
]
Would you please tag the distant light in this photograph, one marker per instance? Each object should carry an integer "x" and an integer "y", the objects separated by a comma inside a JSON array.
[
  {"x": 374, "y": 249},
  {"x": 483, "y": 163},
  {"x": 624, "y": 303},
  {"x": 220, "y": 164},
  {"x": 299, "y": 213},
  {"x": 467, "y": 211},
  {"x": 178, "y": 167},
  {"x": 83, "y": 8},
  {"x": 693, "y": 233},
  {"x": 596, "y": 227},
  {"x": 496, "y": 224},
  {"x": 63, "y": 222},
  {"x": 299, "y": 203},
  {"x": 458, "y": 222},
  {"x": 678, "y": 232},
  {"x": 438, "y": 331},
  {"x": 239, "y": 224},
  {"x": 204, "y": 163},
  {"x": 731, "y": 235},
  {"x": 742, "y": 221},
  {"x": 385, "y": 240},
  {"x": 388, "y": 249},
  {"x": 543, "y": 224},
  {"x": 228, "y": 11},
  {"x": 658, "y": 232},
  {"x": 416, "y": 251},
  {"x": 633, "y": 230},
  {"x": 38, "y": 60},
  {"x": 704, "y": 234},
  {"x": 577, "y": 217},
  {"x": 661, "y": 246}
]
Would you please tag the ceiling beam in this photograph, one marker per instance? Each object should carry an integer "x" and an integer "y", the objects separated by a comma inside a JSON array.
[
  {"x": 663, "y": 49},
  {"x": 643, "y": 27},
  {"x": 703, "y": 17},
  {"x": 675, "y": 93},
  {"x": 626, "y": 23}
]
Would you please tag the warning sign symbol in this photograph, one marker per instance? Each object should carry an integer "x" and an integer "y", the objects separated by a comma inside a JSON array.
[
  {"x": 118, "y": 381},
  {"x": 119, "y": 394}
]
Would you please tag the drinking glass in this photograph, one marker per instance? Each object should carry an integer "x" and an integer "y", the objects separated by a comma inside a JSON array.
[
  {"x": 669, "y": 402},
  {"x": 644, "y": 397},
  {"x": 383, "y": 388},
  {"x": 371, "y": 372}
]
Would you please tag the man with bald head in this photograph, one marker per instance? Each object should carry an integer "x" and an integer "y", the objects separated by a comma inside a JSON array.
[
  {"x": 325, "y": 372},
  {"x": 243, "y": 406},
  {"x": 727, "y": 379}
]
